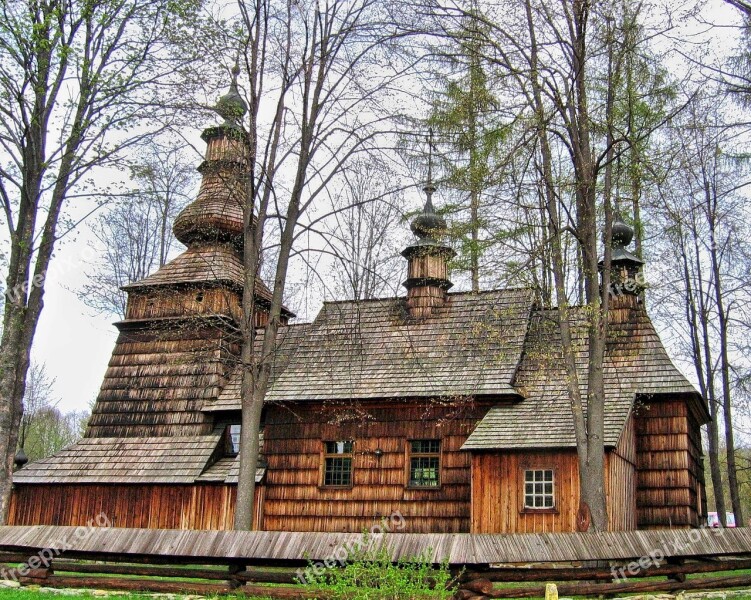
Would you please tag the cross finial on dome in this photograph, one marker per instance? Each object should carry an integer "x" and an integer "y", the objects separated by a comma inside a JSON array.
[
  {"x": 428, "y": 225},
  {"x": 231, "y": 107}
]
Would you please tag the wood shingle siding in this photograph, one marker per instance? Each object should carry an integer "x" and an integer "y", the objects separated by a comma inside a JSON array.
[
  {"x": 669, "y": 466},
  {"x": 159, "y": 378},
  {"x": 293, "y": 447}
]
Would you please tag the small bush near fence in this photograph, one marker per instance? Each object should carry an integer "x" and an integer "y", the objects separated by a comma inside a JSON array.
[{"x": 369, "y": 574}]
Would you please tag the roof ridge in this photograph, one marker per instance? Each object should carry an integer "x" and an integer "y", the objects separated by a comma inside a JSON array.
[{"x": 450, "y": 294}]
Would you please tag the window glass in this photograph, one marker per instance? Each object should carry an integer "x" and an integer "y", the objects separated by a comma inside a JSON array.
[
  {"x": 538, "y": 488},
  {"x": 337, "y": 468},
  {"x": 425, "y": 463}
]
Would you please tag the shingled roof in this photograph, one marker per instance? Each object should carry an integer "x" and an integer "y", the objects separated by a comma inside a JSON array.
[
  {"x": 133, "y": 460},
  {"x": 198, "y": 264},
  {"x": 635, "y": 364},
  {"x": 370, "y": 350},
  {"x": 288, "y": 339}
]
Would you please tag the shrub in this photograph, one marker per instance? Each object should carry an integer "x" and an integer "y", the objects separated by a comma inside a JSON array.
[{"x": 369, "y": 574}]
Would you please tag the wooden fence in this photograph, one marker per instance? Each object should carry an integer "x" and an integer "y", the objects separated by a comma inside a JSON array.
[{"x": 266, "y": 564}]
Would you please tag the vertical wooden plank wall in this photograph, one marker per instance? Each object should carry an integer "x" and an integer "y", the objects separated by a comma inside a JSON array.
[
  {"x": 497, "y": 492},
  {"x": 620, "y": 481},
  {"x": 205, "y": 506}
]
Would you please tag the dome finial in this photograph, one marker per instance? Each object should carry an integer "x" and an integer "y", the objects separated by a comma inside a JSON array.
[
  {"x": 231, "y": 107},
  {"x": 428, "y": 225}
]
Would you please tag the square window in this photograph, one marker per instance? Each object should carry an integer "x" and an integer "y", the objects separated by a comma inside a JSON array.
[{"x": 539, "y": 491}]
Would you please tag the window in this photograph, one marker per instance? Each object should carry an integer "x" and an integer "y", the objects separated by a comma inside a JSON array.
[
  {"x": 425, "y": 463},
  {"x": 538, "y": 489},
  {"x": 232, "y": 439},
  {"x": 337, "y": 465}
]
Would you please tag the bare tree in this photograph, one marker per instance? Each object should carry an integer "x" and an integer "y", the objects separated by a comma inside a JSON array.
[
  {"x": 73, "y": 79},
  {"x": 704, "y": 214},
  {"x": 320, "y": 69},
  {"x": 568, "y": 60},
  {"x": 136, "y": 232},
  {"x": 44, "y": 428},
  {"x": 360, "y": 233}
]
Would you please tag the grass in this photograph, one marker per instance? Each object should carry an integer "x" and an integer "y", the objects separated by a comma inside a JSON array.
[{"x": 27, "y": 593}]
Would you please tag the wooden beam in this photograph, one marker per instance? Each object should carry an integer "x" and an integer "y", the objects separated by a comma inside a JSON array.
[{"x": 577, "y": 574}]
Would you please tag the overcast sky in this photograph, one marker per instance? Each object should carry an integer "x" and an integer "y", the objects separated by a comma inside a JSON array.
[{"x": 75, "y": 344}]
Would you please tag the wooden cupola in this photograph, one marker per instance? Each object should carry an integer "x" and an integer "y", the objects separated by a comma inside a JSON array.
[
  {"x": 208, "y": 278},
  {"x": 217, "y": 213},
  {"x": 626, "y": 281},
  {"x": 427, "y": 260}
]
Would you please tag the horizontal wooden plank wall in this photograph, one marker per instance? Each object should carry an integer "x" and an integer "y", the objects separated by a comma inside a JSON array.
[
  {"x": 669, "y": 465},
  {"x": 497, "y": 485},
  {"x": 205, "y": 506},
  {"x": 293, "y": 440}
]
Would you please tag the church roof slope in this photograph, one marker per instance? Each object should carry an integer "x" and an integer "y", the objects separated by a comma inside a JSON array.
[
  {"x": 200, "y": 263},
  {"x": 288, "y": 339},
  {"x": 470, "y": 346},
  {"x": 171, "y": 459},
  {"x": 636, "y": 364}
]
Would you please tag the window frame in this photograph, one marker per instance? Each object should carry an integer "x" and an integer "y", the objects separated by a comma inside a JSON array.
[
  {"x": 554, "y": 494},
  {"x": 229, "y": 447},
  {"x": 408, "y": 463},
  {"x": 325, "y": 455}
]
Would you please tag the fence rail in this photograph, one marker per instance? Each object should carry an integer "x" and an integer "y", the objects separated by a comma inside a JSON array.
[{"x": 265, "y": 564}]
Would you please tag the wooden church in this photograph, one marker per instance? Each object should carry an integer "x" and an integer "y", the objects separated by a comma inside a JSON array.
[{"x": 450, "y": 408}]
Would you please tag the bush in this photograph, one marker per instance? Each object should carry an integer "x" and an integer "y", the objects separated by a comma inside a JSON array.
[{"x": 369, "y": 574}]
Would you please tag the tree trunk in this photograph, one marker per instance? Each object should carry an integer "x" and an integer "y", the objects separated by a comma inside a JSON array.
[{"x": 722, "y": 318}]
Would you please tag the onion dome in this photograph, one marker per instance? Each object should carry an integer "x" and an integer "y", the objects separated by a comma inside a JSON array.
[
  {"x": 21, "y": 459},
  {"x": 428, "y": 226},
  {"x": 622, "y": 233},
  {"x": 625, "y": 267},
  {"x": 231, "y": 107}
]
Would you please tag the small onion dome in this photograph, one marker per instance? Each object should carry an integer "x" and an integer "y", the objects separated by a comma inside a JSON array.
[
  {"x": 231, "y": 107},
  {"x": 21, "y": 459},
  {"x": 428, "y": 224},
  {"x": 622, "y": 233}
]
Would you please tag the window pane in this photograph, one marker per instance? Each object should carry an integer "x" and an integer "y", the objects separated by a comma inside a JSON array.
[
  {"x": 233, "y": 438},
  {"x": 538, "y": 488},
  {"x": 343, "y": 447},
  {"x": 423, "y": 471},
  {"x": 425, "y": 446},
  {"x": 338, "y": 471}
]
